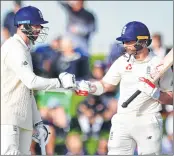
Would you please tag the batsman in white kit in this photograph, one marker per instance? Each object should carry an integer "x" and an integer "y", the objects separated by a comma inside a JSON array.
[
  {"x": 140, "y": 123},
  {"x": 19, "y": 113}
]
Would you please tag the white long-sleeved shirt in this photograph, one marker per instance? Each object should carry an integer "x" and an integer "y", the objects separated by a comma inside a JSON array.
[
  {"x": 18, "y": 106},
  {"x": 128, "y": 73}
]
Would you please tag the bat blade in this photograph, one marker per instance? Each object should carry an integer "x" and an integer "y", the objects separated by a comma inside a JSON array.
[
  {"x": 161, "y": 68},
  {"x": 164, "y": 65}
]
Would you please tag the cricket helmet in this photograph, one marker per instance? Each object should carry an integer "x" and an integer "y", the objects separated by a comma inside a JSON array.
[
  {"x": 136, "y": 31},
  {"x": 29, "y": 15}
]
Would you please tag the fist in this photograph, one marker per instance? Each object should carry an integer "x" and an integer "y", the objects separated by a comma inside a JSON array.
[
  {"x": 148, "y": 88},
  {"x": 67, "y": 80},
  {"x": 83, "y": 88}
]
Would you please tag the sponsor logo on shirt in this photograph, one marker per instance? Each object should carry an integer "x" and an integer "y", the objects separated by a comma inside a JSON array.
[
  {"x": 25, "y": 63},
  {"x": 149, "y": 137},
  {"x": 129, "y": 67}
]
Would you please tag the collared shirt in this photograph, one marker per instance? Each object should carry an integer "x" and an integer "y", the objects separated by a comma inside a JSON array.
[
  {"x": 18, "y": 106},
  {"x": 128, "y": 73},
  {"x": 27, "y": 47}
]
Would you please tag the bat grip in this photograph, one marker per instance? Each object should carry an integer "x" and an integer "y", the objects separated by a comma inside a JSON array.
[
  {"x": 126, "y": 103},
  {"x": 42, "y": 145}
]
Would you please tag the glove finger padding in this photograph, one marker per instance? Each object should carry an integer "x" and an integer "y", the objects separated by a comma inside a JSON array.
[
  {"x": 67, "y": 80},
  {"x": 83, "y": 88},
  {"x": 39, "y": 132}
]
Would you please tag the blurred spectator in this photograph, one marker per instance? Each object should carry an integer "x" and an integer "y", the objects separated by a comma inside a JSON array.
[
  {"x": 45, "y": 56},
  {"x": 74, "y": 145},
  {"x": 157, "y": 45},
  {"x": 49, "y": 61},
  {"x": 81, "y": 23},
  {"x": 95, "y": 109},
  {"x": 115, "y": 52},
  {"x": 108, "y": 114},
  {"x": 90, "y": 116},
  {"x": 167, "y": 141},
  {"x": 53, "y": 115},
  {"x": 102, "y": 148},
  {"x": 98, "y": 70},
  {"x": 8, "y": 24},
  {"x": 71, "y": 61}
]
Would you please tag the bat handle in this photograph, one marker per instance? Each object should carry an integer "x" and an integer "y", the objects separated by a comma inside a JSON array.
[
  {"x": 126, "y": 103},
  {"x": 42, "y": 145}
]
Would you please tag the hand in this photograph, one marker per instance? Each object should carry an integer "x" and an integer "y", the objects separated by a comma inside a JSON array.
[
  {"x": 67, "y": 80},
  {"x": 83, "y": 88},
  {"x": 40, "y": 131},
  {"x": 148, "y": 88}
]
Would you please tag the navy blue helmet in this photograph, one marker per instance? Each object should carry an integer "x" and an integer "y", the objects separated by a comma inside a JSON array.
[
  {"x": 29, "y": 15},
  {"x": 134, "y": 31}
]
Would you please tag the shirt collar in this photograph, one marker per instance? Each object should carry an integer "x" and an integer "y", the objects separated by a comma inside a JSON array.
[
  {"x": 19, "y": 38},
  {"x": 147, "y": 59}
]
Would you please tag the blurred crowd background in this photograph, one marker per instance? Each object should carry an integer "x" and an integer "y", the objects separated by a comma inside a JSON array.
[{"x": 80, "y": 125}]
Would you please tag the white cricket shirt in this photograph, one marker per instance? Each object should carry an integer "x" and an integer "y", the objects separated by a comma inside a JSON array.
[
  {"x": 128, "y": 73},
  {"x": 18, "y": 105}
]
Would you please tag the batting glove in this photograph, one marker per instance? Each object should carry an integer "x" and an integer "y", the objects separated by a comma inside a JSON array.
[
  {"x": 67, "y": 80},
  {"x": 83, "y": 88},
  {"x": 41, "y": 131},
  {"x": 148, "y": 88}
]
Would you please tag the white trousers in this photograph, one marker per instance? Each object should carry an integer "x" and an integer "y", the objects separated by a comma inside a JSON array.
[
  {"x": 15, "y": 140},
  {"x": 129, "y": 131}
]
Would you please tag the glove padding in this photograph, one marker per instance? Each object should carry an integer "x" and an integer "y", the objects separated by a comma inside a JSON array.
[
  {"x": 148, "y": 88},
  {"x": 67, "y": 80},
  {"x": 41, "y": 131},
  {"x": 83, "y": 88}
]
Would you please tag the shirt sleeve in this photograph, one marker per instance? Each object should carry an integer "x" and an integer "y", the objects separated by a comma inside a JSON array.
[
  {"x": 166, "y": 81},
  {"x": 19, "y": 63},
  {"x": 113, "y": 76},
  {"x": 36, "y": 114},
  {"x": 88, "y": 28},
  {"x": 65, "y": 5}
]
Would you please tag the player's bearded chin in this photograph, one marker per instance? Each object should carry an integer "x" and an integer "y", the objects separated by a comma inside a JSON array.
[
  {"x": 36, "y": 33},
  {"x": 130, "y": 49}
]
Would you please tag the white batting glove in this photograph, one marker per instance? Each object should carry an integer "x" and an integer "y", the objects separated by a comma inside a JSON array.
[
  {"x": 83, "y": 88},
  {"x": 41, "y": 131},
  {"x": 148, "y": 88},
  {"x": 67, "y": 80}
]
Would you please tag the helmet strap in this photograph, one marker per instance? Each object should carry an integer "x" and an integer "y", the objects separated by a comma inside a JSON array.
[{"x": 129, "y": 57}]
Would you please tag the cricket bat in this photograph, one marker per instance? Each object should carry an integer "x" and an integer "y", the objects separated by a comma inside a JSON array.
[
  {"x": 161, "y": 68},
  {"x": 42, "y": 145}
]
